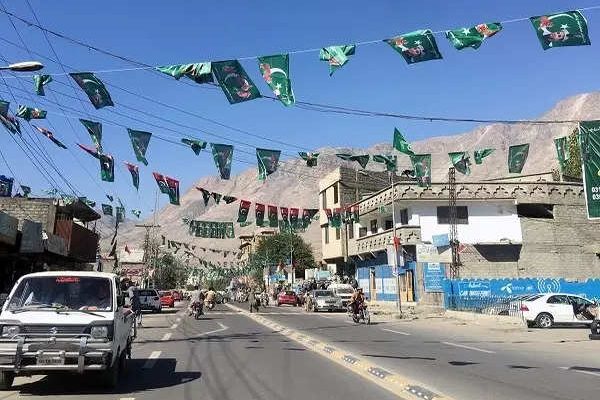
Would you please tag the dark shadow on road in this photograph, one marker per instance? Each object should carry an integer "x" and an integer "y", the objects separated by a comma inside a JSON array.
[
  {"x": 521, "y": 367},
  {"x": 254, "y": 347},
  {"x": 400, "y": 357},
  {"x": 155, "y": 327},
  {"x": 161, "y": 376},
  {"x": 586, "y": 369},
  {"x": 293, "y": 348},
  {"x": 462, "y": 363}
]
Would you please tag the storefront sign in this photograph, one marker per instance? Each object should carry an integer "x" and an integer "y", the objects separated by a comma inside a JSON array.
[
  {"x": 440, "y": 240},
  {"x": 433, "y": 277},
  {"x": 428, "y": 253}
]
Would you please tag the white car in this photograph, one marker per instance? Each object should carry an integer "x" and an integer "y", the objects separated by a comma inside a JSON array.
[
  {"x": 325, "y": 300},
  {"x": 545, "y": 310},
  {"x": 149, "y": 299},
  {"x": 65, "y": 321}
]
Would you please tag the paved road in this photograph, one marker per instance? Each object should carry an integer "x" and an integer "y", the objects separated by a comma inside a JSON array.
[
  {"x": 457, "y": 365},
  {"x": 223, "y": 356}
]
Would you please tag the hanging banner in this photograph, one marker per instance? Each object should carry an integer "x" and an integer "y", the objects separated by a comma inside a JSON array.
[
  {"x": 461, "y": 162},
  {"x": 310, "y": 158},
  {"x": 589, "y": 138},
  {"x": 268, "y": 161},
  {"x": 135, "y": 174},
  {"x": 416, "y": 46},
  {"x": 223, "y": 155},
  {"x": 276, "y": 72},
  {"x": 107, "y": 167},
  {"x": 273, "y": 221},
  {"x": 243, "y": 211},
  {"x": 563, "y": 29},
  {"x": 336, "y": 56},
  {"x": 196, "y": 145},
  {"x": 479, "y": 155},
  {"x": 234, "y": 81},
  {"x": 517, "y": 156},
  {"x": 259, "y": 214},
  {"x": 140, "y": 141},
  {"x": 94, "y": 88},
  {"x": 39, "y": 82},
  {"x": 95, "y": 131},
  {"x": 422, "y": 167}
]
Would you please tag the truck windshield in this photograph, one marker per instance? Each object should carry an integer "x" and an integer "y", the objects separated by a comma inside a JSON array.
[
  {"x": 345, "y": 290},
  {"x": 63, "y": 292}
]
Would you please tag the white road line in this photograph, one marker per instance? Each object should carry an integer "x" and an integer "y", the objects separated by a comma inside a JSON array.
[
  {"x": 581, "y": 371},
  {"x": 469, "y": 347},
  {"x": 221, "y": 329},
  {"x": 166, "y": 336},
  {"x": 174, "y": 326},
  {"x": 398, "y": 332},
  {"x": 127, "y": 398},
  {"x": 152, "y": 359}
]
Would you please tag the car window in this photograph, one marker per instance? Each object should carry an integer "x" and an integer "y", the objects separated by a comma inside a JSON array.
[
  {"x": 532, "y": 297},
  {"x": 290, "y": 293},
  {"x": 558, "y": 299},
  {"x": 323, "y": 293},
  {"x": 579, "y": 300},
  {"x": 146, "y": 293}
]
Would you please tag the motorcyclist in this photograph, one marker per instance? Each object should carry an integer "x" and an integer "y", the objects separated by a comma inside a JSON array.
[
  {"x": 357, "y": 299},
  {"x": 196, "y": 300},
  {"x": 210, "y": 296}
]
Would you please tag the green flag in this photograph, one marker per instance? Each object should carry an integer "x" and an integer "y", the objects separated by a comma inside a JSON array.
[
  {"x": 310, "y": 158},
  {"x": 161, "y": 182},
  {"x": 268, "y": 161},
  {"x": 198, "y": 72},
  {"x": 50, "y": 136},
  {"x": 196, "y": 145},
  {"x": 107, "y": 167},
  {"x": 416, "y": 46},
  {"x": 140, "y": 141},
  {"x": 517, "y": 156},
  {"x": 259, "y": 214},
  {"x": 472, "y": 37},
  {"x": 95, "y": 131},
  {"x": 243, "y": 211},
  {"x": 26, "y": 190},
  {"x": 94, "y": 88},
  {"x": 135, "y": 174},
  {"x": 244, "y": 224},
  {"x": 362, "y": 159},
  {"x": 336, "y": 218},
  {"x": 205, "y": 195},
  {"x": 120, "y": 213},
  {"x": 229, "y": 230},
  {"x": 223, "y": 155},
  {"x": 422, "y": 168},
  {"x": 9, "y": 121},
  {"x": 276, "y": 72},
  {"x": 217, "y": 197},
  {"x": 390, "y": 162},
  {"x": 273, "y": 217},
  {"x": 107, "y": 209},
  {"x": 401, "y": 144},
  {"x": 461, "y": 162},
  {"x": 336, "y": 56},
  {"x": 229, "y": 199},
  {"x": 589, "y": 139},
  {"x": 29, "y": 113},
  {"x": 137, "y": 213},
  {"x": 562, "y": 151},
  {"x": 479, "y": 155},
  {"x": 173, "y": 187},
  {"x": 563, "y": 29},
  {"x": 39, "y": 82},
  {"x": 294, "y": 221},
  {"x": 234, "y": 81}
]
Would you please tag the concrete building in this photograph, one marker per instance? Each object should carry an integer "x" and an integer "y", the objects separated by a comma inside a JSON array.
[
  {"x": 249, "y": 243},
  {"x": 339, "y": 189},
  {"x": 44, "y": 234},
  {"x": 506, "y": 229}
]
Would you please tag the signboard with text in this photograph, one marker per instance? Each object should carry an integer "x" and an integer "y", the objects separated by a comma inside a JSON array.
[
  {"x": 440, "y": 240},
  {"x": 428, "y": 253},
  {"x": 433, "y": 277},
  {"x": 589, "y": 137}
]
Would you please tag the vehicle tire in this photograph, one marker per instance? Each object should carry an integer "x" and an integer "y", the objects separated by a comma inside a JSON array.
[
  {"x": 110, "y": 377},
  {"x": 530, "y": 324},
  {"x": 278, "y": 304},
  {"x": 544, "y": 320},
  {"x": 595, "y": 327},
  {"x": 6, "y": 380},
  {"x": 315, "y": 309}
]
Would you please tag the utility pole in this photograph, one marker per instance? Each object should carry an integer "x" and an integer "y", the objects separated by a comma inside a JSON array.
[
  {"x": 453, "y": 236},
  {"x": 395, "y": 241},
  {"x": 149, "y": 252}
]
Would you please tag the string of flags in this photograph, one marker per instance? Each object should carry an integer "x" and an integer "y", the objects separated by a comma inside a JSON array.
[
  {"x": 337, "y": 216},
  {"x": 290, "y": 216},
  {"x": 207, "y": 195}
]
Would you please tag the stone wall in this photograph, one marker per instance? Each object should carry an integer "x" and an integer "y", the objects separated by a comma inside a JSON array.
[{"x": 36, "y": 210}]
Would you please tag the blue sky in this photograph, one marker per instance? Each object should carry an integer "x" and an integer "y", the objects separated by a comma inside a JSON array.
[{"x": 509, "y": 77}]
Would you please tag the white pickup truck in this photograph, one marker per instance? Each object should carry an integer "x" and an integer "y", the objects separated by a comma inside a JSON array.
[{"x": 65, "y": 321}]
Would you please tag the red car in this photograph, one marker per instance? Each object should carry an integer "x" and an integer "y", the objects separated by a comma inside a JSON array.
[
  {"x": 167, "y": 299},
  {"x": 177, "y": 295},
  {"x": 287, "y": 297}
]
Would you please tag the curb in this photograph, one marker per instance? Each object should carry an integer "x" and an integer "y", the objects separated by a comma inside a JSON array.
[{"x": 389, "y": 380}]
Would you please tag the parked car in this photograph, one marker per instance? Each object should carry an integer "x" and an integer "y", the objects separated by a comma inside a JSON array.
[
  {"x": 149, "y": 300},
  {"x": 325, "y": 300},
  {"x": 548, "y": 309},
  {"x": 167, "y": 299},
  {"x": 287, "y": 297},
  {"x": 343, "y": 291},
  {"x": 65, "y": 321}
]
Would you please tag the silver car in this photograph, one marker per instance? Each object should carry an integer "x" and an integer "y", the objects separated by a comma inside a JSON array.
[{"x": 325, "y": 300}]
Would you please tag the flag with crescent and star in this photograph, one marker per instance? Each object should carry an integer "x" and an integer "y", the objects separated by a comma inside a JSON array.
[
  {"x": 29, "y": 113},
  {"x": 461, "y": 162},
  {"x": 268, "y": 160},
  {"x": 336, "y": 56},
  {"x": 39, "y": 81},
  {"x": 243, "y": 211},
  {"x": 472, "y": 37},
  {"x": 140, "y": 141},
  {"x": 401, "y": 144},
  {"x": 198, "y": 72},
  {"x": 275, "y": 70},
  {"x": 234, "y": 81},
  {"x": 259, "y": 214},
  {"x": 95, "y": 131},
  {"x": 517, "y": 156},
  {"x": 422, "y": 168},
  {"x": 390, "y": 161},
  {"x": 107, "y": 209},
  {"x": 196, "y": 145},
  {"x": 134, "y": 170},
  {"x": 273, "y": 217},
  {"x": 107, "y": 167},
  {"x": 310, "y": 158},
  {"x": 223, "y": 156},
  {"x": 416, "y": 46},
  {"x": 562, "y": 29},
  {"x": 94, "y": 88},
  {"x": 479, "y": 155}
]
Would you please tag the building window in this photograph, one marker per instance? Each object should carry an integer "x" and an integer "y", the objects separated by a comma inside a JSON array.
[
  {"x": 544, "y": 211},
  {"x": 336, "y": 195},
  {"x": 326, "y": 233},
  {"x": 362, "y": 232},
  {"x": 373, "y": 226},
  {"x": 324, "y": 194},
  {"x": 404, "y": 216},
  {"x": 443, "y": 215},
  {"x": 350, "y": 228},
  {"x": 389, "y": 224},
  {"x": 337, "y": 234}
]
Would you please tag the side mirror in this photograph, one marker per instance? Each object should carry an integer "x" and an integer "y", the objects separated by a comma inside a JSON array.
[{"x": 120, "y": 301}]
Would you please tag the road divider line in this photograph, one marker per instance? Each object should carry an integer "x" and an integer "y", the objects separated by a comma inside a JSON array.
[
  {"x": 398, "y": 332},
  {"x": 389, "y": 380},
  {"x": 463, "y": 346},
  {"x": 166, "y": 336},
  {"x": 583, "y": 371},
  {"x": 151, "y": 359}
]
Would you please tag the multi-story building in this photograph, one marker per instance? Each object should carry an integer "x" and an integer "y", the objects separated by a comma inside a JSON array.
[
  {"x": 249, "y": 243},
  {"x": 45, "y": 233},
  {"x": 339, "y": 189},
  {"x": 506, "y": 229}
]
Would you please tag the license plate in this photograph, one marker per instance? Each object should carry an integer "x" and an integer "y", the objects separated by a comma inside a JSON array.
[
  {"x": 50, "y": 359},
  {"x": 330, "y": 301}
]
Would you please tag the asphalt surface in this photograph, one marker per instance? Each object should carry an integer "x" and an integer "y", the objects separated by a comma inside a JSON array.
[
  {"x": 223, "y": 356},
  {"x": 456, "y": 365}
]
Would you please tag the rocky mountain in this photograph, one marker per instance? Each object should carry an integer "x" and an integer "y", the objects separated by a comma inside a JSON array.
[{"x": 296, "y": 185}]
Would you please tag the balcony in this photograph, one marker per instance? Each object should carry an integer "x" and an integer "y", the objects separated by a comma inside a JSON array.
[
  {"x": 379, "y": 241},
  {"x": 82, "y": 243}
]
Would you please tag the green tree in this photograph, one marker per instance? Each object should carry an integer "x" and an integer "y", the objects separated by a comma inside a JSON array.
[
  {"x": 275, "y": 249},
  {"x": 170, "y": 272},
  {"x": 573, "y": 163}
]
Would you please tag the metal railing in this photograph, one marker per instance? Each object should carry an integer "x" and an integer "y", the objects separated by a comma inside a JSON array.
[{"x": 490, "y": 305}]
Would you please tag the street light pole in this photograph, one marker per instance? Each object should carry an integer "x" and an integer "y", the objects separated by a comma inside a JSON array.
[{"x": 25, "y": 66}]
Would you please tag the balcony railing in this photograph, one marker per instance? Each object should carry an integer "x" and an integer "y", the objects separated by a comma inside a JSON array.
[
  {"x": 380, "y": 241},
  {"x": 82, "y": 243}
]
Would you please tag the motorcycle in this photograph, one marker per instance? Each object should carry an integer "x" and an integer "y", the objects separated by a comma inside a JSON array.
[
  {"x": 362, "y": 314},
  {"x": 264, "y": 299},
  {"x": 210, "y": 305},
  {"x": 197, "y": 310}
]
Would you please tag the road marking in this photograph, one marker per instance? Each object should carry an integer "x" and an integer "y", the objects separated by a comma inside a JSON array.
[
  {"x": 127, "y": 398},
  {"x": 178, "y": 319},
  {"x": 581, "y": 371},
  {"x": 469, "y": 347},
  {"x": 152, "y": 359},
  {"x": 174, "y": 326},
  {"x": 166, "y": 336},
  {"x": 398, "y": 332}
]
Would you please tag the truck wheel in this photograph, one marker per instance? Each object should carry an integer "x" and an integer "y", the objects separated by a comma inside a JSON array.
[
  {"x": 110, "y": 377},
  {"x": 6, "y": 380}
]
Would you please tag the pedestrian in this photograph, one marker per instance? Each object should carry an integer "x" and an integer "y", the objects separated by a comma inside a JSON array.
[
  {"x": 136, "y": 307},
  {"x": 252, "y": 300}
]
